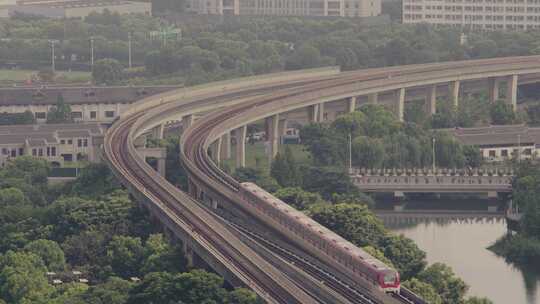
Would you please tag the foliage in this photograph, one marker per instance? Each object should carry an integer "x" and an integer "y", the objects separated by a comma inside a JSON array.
[
  {"x": 379, "y": 255},
  {"x": 257, "y": 176},
  {"x": 285, "y": 170},
  {"x": 94, "y": 181},
  {"x": 353, "y": 222},
  {"x": 50, "y": 253},
  {"x": 60, "y": 113},
  {"x": 424, "y": 290},
  {"x": 107, "y": 71},
  {"x": 502, "y": 113},
  {"x": 24, "y": 118},
  {"x": 404, "y": 254},
  {"x": 451, "y": 288},
  {"x": 298, "y": 198},
  {"x": 519, "y": 250},
  {"x": 476, "y": 300}
]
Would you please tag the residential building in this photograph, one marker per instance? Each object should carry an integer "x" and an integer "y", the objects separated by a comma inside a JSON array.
[
  {"x": 474, "y": 14},
  {"x": 342, "y": 8},
  {"x": 79, "y": 8},
  {"x": 499, "y": 143},
  {"x": 56, "y": 143},
  {"x": 90, "y": 104}
]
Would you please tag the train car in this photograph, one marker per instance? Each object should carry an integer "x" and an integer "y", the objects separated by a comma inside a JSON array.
[{"x": 311, "y": 235}]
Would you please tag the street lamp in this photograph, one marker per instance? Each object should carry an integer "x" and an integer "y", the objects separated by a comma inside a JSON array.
[
  {"x": 129, "y": 49},
  {"x": 53, "y": 66},
  {"x": 92, "y": 52},
  {"x": 350, "y": 153},
  {"x": 433, "y": 154},
  {"x": 519, "y": 148}
]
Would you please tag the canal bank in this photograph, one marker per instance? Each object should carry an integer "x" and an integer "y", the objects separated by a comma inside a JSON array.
[{"x": 461, "y": 242}]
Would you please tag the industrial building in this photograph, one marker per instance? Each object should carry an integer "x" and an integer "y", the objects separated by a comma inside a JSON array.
[
  {"x": 474, "y": 14},
  {"x": 341, "y": 8}
]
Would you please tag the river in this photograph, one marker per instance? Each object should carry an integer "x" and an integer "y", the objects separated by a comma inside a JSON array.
[{"x": 462, "y": 244}]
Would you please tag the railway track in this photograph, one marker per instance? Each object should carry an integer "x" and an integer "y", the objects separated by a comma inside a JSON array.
[{"x": 202, "y": 226}]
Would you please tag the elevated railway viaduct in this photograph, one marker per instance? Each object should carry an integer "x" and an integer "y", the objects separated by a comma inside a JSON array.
[{"x": 204, "y": 229}]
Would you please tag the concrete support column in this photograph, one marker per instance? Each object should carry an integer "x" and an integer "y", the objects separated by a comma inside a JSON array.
[
  {"x": 453, "y": 89},
  {"x": 226, "y": 146},
  {"x": 321, "y": 112},
  {"x": 272, "y": 135},
  {"x": 351, "y": 104},
  {"x": 511, "y": 91},
  {"x": 282, "y": 128},
  {"x": 313, "y": 113},
  {"x": 431, "y": 99},
  {"x": 215, "y": 151},
  {"x": 188, "y": 254},
  {"x": 373, "y": 98},
  {"x": 161, "y": 166},
  {"x": 493, "y": 89},
  {"x": 400, "y": 100},
  {"x": 187, "y": 121},
  {"x": 240, "y": 135},
  {"x": 157, "y": 132}
]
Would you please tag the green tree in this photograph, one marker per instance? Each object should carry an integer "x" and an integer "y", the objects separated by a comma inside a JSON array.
[
  {"x": 379, "y": 255},
  {"x": 298, "y": 198},
  {"x": 285, "y": 170},
  {"x": 476, "y": 300},
  {"x": 327, "y": 181},
  {"x": 22, "y": 278},
  {"x": 114, "y": 291},
  {"x": 243, "y": 296},
  {"x": 125, "y": 254},
  {"x": 451, "y": 288},
  {"x": 161, "y": 256},
  {"x": 473, "y": 157},
  {"x": 256, "y": 176},
  {"x": 367, "y": 152},
  {"x": 404, "y": 254},
  {"x": 424, "y": 290},
  {"x": 107, "y": 71},
  {"x": 306, "y": 56},
  {"x": 50, "y": 252},
  {"x": 502, "y": 113},
  {"x": 353, "y": 222},
  {"x": 60, "y": 113}
]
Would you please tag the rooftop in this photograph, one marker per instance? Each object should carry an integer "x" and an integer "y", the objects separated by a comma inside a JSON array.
[
  {"x": 40, "y": 135},
  {"x": 498, "y": 135},
  {"x": 77, "y": 95}
]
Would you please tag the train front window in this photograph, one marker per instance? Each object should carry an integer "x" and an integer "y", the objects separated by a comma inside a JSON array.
[{"x": 389, "y": 278}]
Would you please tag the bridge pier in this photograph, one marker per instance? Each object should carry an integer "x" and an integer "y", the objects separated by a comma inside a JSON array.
[
  {"x": 400, "y": 100},
  {"x": 453, "y": 89},
  {"x": 511, "y": 91},
  {"x": 373, "y": 98},
  {"x": 493, "y": 89},
  {"x": 187, "y": 121},
  {"x": 351, "y": 104},
  {"x": 226, "y": 146},
  {"x": 161, "y": 165},
  {"x": 272, "y": 132},
  {"x": 241, "y": 146},
  {"x": 157, "y": 132},
  {"x": 215, "y": 151},
  {"x": 431, "y": 99}
]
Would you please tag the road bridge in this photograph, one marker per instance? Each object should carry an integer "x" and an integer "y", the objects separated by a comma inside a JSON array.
[
  {"x": 243, "y": 102},
  {"x": 425, "y": 181}
]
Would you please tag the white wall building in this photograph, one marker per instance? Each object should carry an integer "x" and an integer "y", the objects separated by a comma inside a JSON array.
[{"x": 475, "y": 14}]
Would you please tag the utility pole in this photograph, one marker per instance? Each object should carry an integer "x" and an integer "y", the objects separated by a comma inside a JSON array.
[
  {"x": 350, "y": 153},
  {"x": 519, "y": 148},
  {"x": 92, "y": 53},
  {"x": 433, "y": 155},
  {"x": 52, "y": 42},
  {"x": 129, "y": 49}
]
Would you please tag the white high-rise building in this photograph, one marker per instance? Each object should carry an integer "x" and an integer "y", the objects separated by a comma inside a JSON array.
[
  {"x": 343, "y": 8},
  {"x": 474, "y": 14}
]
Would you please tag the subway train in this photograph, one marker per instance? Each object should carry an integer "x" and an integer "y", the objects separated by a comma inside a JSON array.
[{"x": 318, "y": 240}]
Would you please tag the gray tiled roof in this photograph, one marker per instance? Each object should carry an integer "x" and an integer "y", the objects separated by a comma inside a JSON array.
[
  {"x": 77, "y": 95},
  {"x": 498, "y": 135},
  {"x": 46, "y": 134}
]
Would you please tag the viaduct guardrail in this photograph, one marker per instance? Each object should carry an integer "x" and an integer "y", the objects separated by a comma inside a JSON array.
[{"x": 244, "y": 103}]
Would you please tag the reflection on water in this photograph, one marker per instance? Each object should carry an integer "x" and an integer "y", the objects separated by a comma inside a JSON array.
[{"x": 461, "y": 243}]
